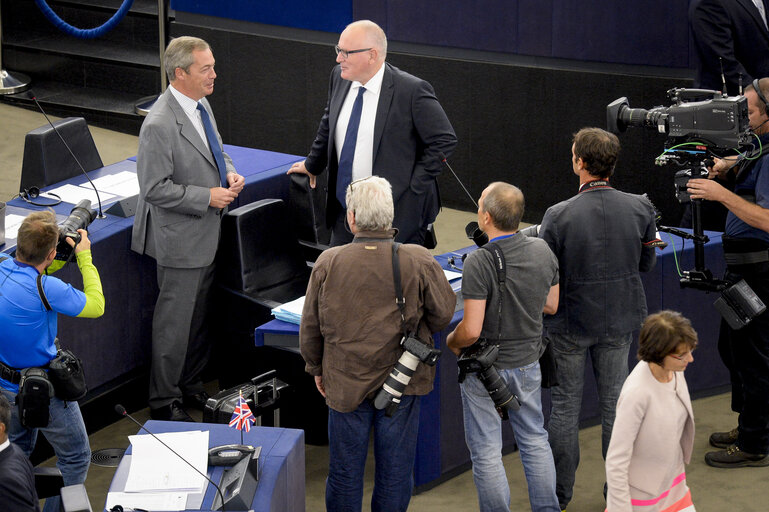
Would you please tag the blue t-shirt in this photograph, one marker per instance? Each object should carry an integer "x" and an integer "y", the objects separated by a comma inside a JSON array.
[
  {"x": 756, "y": 183},
  {"x": 28, "y": 330}
]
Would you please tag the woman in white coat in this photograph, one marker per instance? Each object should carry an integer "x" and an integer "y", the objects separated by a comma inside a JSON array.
[{"x": 654, "y": 428}]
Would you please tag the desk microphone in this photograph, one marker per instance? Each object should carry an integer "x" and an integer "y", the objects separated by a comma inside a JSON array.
[
  {"x": 444, "y": 160},
  {"x": 98, "y": 199},
  {"x": 121, "y": 411}
]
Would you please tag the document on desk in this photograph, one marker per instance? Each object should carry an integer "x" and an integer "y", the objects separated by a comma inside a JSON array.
[
  {"x": 156, "y": 501},
  {"x": 74, "y": 194},
  {"x": 123, "y": 184},
  {"x": 155, "y": 468},
  {"x": 12, "y": 225},
  {"x": 290, "y": 311},
  {"x": 451, "y": 275}
]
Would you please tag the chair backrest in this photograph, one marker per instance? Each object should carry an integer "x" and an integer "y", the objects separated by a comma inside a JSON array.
[
  {"x": 307, "y": 209},
  {"x": 46, "y": 158},
  {"x": 258, "y": 249}
]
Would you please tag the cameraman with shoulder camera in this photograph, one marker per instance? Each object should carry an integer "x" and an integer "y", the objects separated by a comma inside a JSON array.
[
  {"x": 30, "y": 301},
  {"x": 746, "y": 249},
  {"x": 350, "y": 337},
  {"x": 510, "y": 316}
]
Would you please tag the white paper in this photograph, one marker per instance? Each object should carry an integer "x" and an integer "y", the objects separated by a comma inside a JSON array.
[
  {"x": 74, "y": 194},
  {"x": 148, "y": 500},
  {"x": 154, "y": 467},
  {"x": 294, "y": 307},
  {"x": 12, "y": 225},
  {"x": 124, "y": 184},
  {"x": 451, "y": 275}
]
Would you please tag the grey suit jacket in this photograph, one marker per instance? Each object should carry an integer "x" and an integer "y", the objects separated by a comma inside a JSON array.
[
  {"x": 410, "y": 130},
  {"x": 598, "y": 237},
  {"x": 174, "y": 223}
]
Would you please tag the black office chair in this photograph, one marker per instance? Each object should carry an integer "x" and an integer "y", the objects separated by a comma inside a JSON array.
[
  {"x": 47, "y": 160},
  {"x": 48, "y": 481},
  {"x": 259, "y": 266},
  {"x": 308, "y": 214}
]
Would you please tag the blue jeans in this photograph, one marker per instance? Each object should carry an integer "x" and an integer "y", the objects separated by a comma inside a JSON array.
[
  {"x": 483, "y": 434},
  {"x": 609, "y": 358},
  {"x": 395, "y": 444},
  {"x": 67, "y": 435}
]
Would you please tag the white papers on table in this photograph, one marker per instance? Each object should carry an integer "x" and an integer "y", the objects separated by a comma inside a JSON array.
[
  {"x": 451, "y": 275},
  {"x": 124, "y": 184},
  {"x": 159, "y": 501},
  {"x": 290, "y": 311},
  {"x": 12, "y": 224},
  {"x": 74, "y": 194},
  {"x": 155, "y": 468}
]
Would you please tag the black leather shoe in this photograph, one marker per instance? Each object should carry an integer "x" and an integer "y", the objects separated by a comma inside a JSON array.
[
  {"x": 733, "y": 457},
  {"x": 170, "y": 412},
  {"x": 723, "y": 439},
  {"x": 196, "y": 401}
]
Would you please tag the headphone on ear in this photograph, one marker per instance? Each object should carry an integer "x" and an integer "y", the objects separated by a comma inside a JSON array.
[
  {"x": 28, "y": 194},
  {"x": 761, "y": 96}
]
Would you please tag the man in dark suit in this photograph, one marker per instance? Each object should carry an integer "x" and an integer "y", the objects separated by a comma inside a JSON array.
[
  {"x": 17, "y": 481},
  {"x": 379, "y": 121},
  {"x": 186, "y": 182},
  {"x": 734, "y": 31}
]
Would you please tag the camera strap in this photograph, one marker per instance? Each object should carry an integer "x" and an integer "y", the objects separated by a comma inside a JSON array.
[
  {"x": 399, "y": 300},
  {"x": 41, "y": 293},
  {"x": 501, "y": 268}
]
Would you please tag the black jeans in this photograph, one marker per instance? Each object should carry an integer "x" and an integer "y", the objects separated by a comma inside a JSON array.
[{"x": 745, "y": 353}]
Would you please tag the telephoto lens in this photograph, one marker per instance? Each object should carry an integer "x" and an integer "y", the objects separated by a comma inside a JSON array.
[
  {"x": 80, "y": 217},
  {"x": 500, "y": 394},
  {"x": 389, "y": 397}
]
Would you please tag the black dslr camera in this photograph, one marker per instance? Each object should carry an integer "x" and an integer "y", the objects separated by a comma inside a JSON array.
[
  {"x": 414, "y": 351},
  {"x": 479, "y": 358},
  {"x": 80, "y": 217}
]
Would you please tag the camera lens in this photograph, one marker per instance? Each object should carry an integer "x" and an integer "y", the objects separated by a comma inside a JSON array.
[{"x": 500, "y": 394}]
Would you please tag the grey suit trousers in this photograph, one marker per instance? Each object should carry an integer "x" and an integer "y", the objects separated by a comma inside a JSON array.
[{"x": 180, "y": 349}]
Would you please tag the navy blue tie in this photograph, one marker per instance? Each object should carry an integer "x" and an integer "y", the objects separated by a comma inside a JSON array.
[
  {"x": 344, "y": 174},
  {"x": 213, "y": 143}
]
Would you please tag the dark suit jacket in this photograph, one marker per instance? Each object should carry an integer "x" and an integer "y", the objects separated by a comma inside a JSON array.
[
  {"x": 174, "y": 223},
  {"x": 17, "y": 482},
  {"x": 598, "y": 238},
  {"x": 410, "y": 130},
  {"x": 734, "y": 31}
]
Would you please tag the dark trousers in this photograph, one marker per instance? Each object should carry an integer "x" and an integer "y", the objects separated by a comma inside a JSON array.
[
  {"x": 180, "y": 348},
  {"x": 745, "y": 353}
]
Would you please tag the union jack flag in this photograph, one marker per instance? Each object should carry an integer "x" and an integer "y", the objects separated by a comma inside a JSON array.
[{"x": 242, "y": 418}]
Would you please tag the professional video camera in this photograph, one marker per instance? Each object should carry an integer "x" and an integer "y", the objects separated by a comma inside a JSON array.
[
  {"x": 479, "y": 358},
  {"x": 80, "y": 217},
  {"x": 392, "y": 390},
  {"x": 700, "y": 124}
]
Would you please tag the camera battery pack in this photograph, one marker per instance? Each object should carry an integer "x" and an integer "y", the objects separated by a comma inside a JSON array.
[{"x": 739, "y": 304}]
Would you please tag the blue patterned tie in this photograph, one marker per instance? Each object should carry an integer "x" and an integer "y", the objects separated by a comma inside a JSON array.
[
  {"x": 213, "y": 143},
  {"x": 344, "y": 174}
]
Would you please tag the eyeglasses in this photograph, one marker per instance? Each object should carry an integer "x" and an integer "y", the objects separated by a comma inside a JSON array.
[{"x": 346, "y": 53}]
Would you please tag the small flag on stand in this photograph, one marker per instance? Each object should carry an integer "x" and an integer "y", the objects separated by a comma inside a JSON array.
[{"x": 242, "y": 418}]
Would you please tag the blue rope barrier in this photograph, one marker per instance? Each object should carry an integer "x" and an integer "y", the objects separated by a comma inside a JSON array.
[{"x": 80, "y": 33}]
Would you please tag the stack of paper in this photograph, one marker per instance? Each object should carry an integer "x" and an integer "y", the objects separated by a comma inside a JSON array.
[
  {"x": 158, "y": 479},
  {"x": 290, "y": 311}
]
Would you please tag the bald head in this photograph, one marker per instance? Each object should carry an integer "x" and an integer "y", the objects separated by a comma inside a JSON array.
[
  {"x": 372, "y": 34},
  {"x": 504, "y": 203}
]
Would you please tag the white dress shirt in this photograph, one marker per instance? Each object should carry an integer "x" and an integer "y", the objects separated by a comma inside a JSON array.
[
  {"x": 363, "y": 160},
  {"x": 5, "y": 445},
  {"x": 190, "y": 108}
]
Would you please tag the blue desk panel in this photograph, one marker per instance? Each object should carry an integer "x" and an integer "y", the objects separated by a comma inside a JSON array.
[{"x": 281, "y": 481}]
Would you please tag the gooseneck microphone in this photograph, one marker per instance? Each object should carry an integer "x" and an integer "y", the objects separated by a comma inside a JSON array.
[
  {"x": 121, "y": 411},
  {"x": 444, "y": 160},
  {"x": 98, "y": 199}
]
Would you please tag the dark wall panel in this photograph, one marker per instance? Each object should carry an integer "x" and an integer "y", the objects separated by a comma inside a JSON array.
[{"x": 514, "y": 123}]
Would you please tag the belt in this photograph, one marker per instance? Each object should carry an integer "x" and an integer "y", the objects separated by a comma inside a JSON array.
[
  {"x": 746, "y": 258},
  {"x": 9, "y": 374}
]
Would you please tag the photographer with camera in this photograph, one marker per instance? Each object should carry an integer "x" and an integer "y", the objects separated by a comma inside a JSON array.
[
  {"x": 508, "y": 314},
  {"x": 351, "y": 338},
  {"x": 746, "y": 249},
  {"x": 30, "y": 301}
]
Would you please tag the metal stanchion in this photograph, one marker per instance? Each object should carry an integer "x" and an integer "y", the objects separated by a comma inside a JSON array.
[
  {"x": 143, "y": 106},
  {"x": 10, "y": 83}
]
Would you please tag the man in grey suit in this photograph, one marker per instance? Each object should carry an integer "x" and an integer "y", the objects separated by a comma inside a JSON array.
[
  {"x": 602, "y": 238},
  {"x": 186, "y": 182},
  {"x": 379, "y": 121}
]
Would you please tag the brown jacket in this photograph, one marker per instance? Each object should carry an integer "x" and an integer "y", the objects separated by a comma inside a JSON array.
[{"x": 351, "y": 326}]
